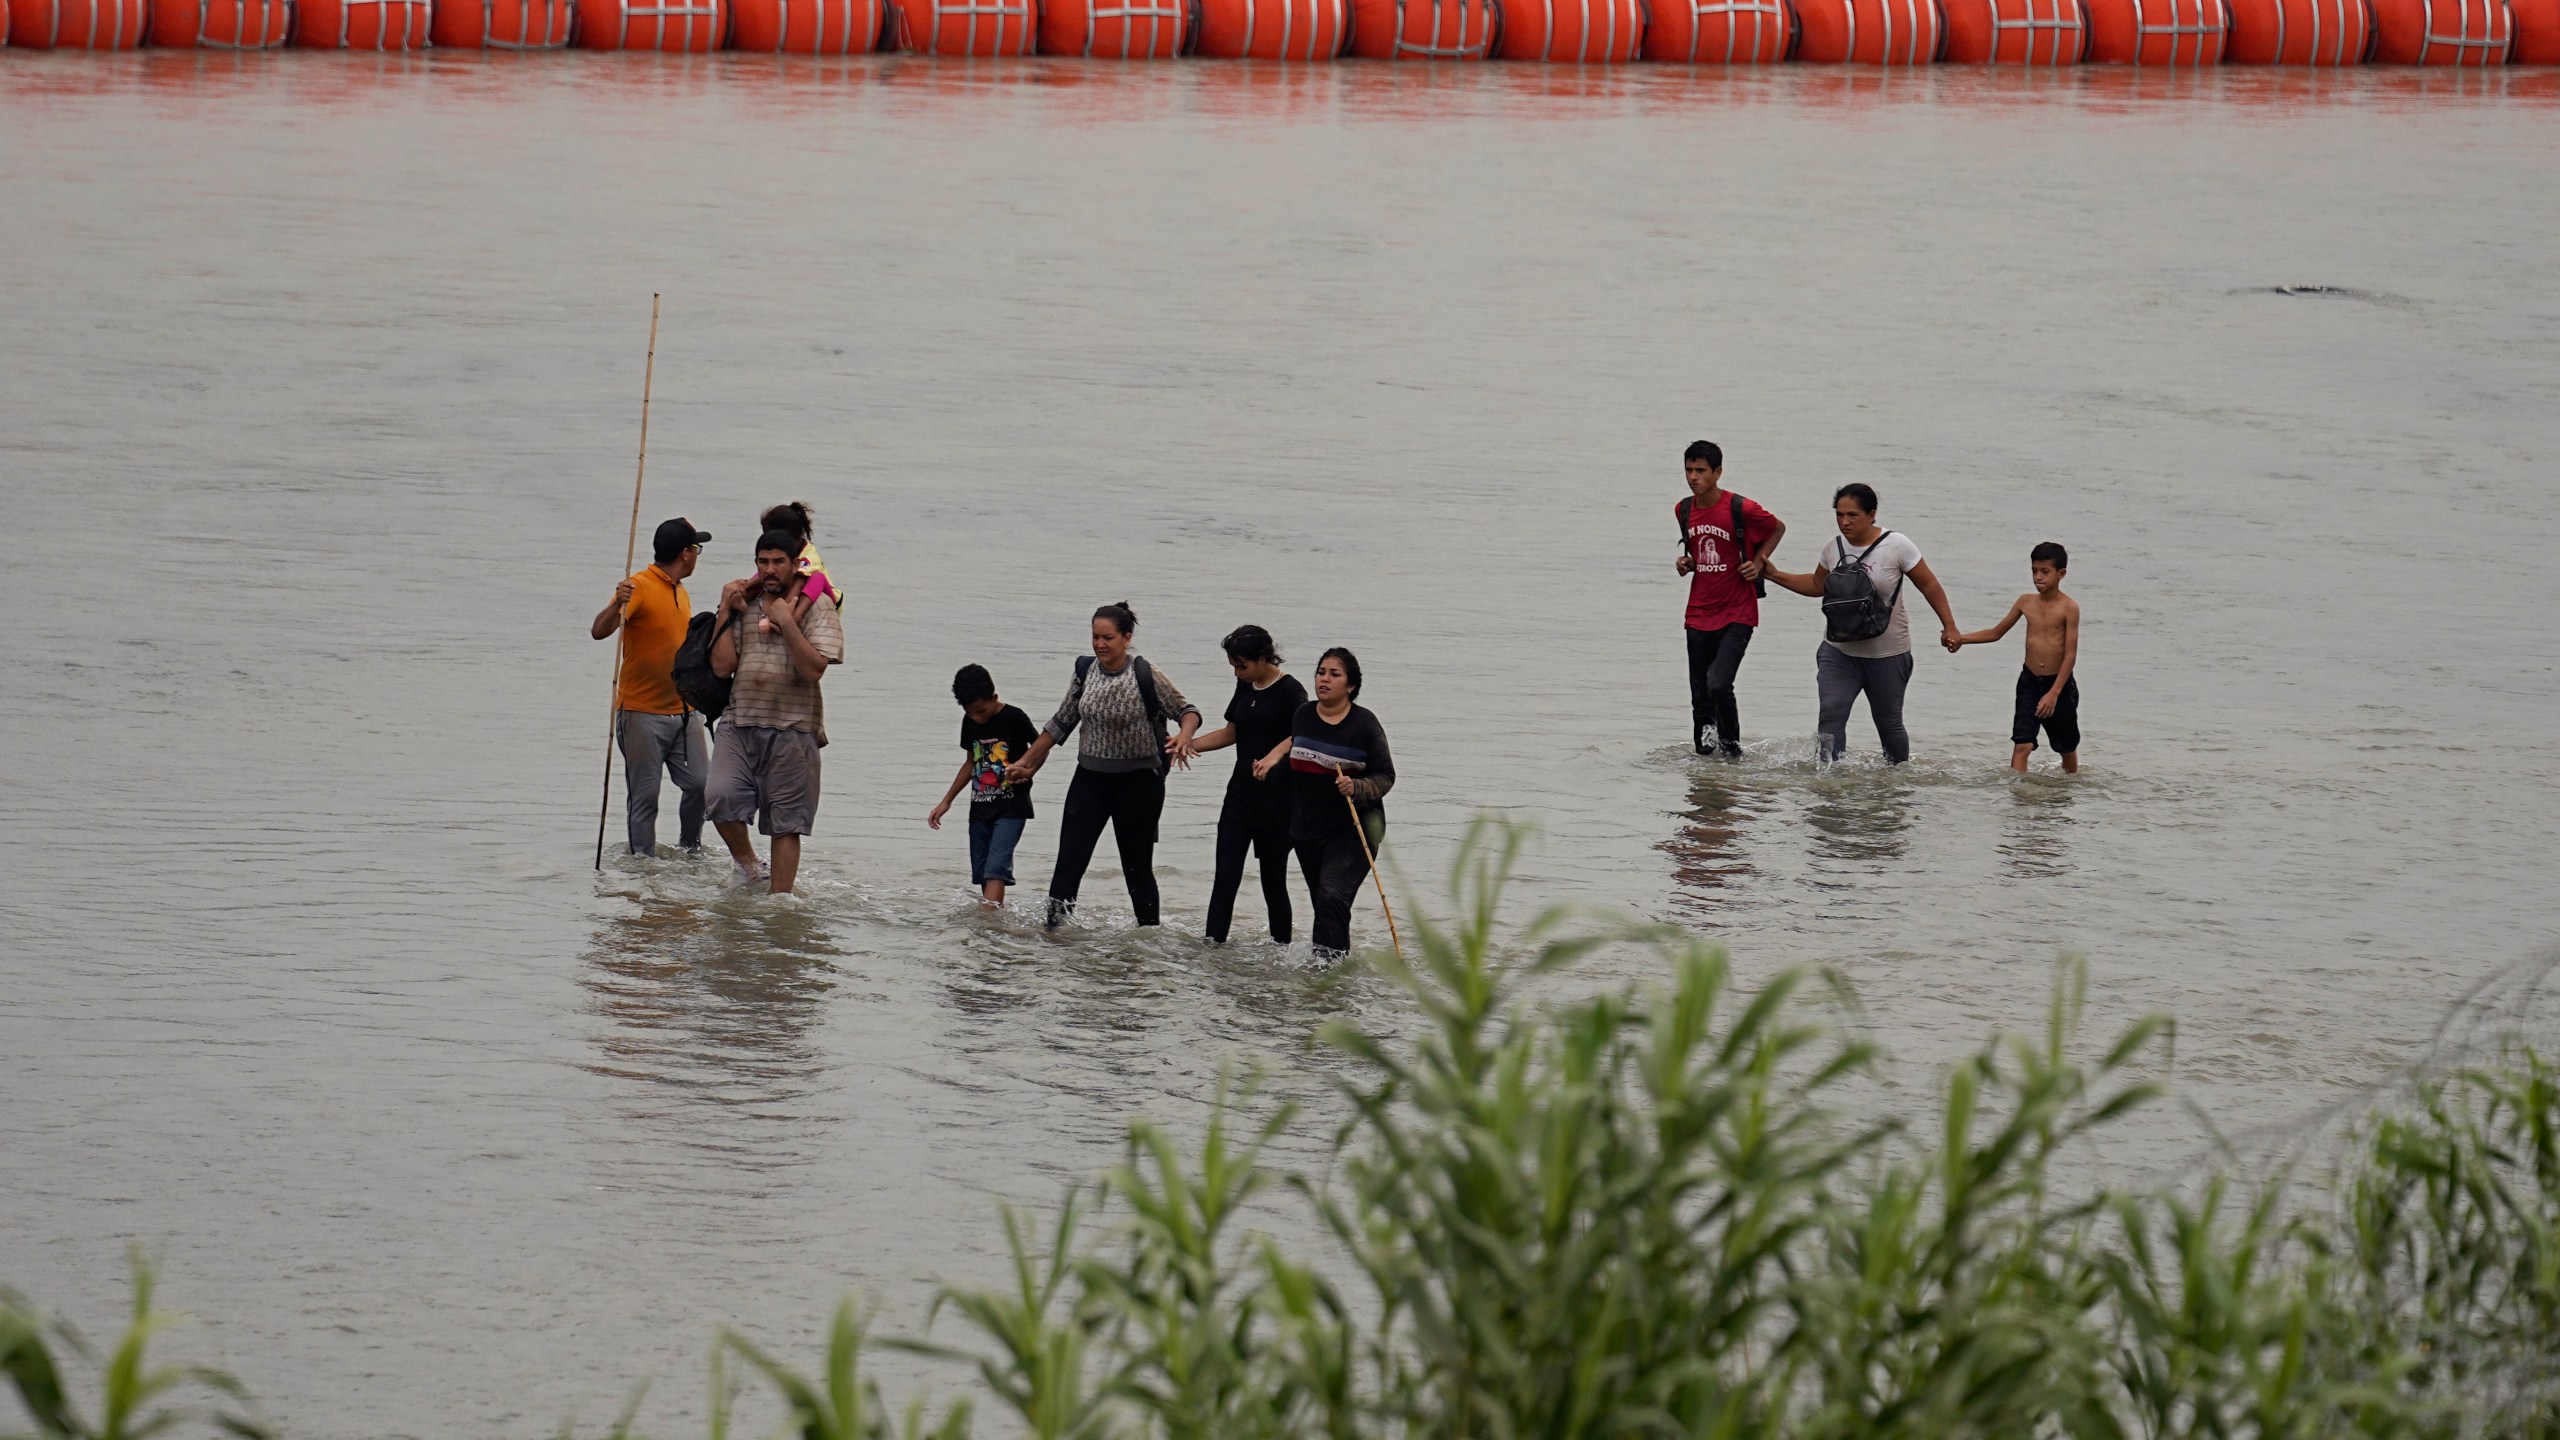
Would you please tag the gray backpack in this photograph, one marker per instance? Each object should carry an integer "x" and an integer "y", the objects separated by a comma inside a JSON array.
[{"x": 1851, "y": 608}]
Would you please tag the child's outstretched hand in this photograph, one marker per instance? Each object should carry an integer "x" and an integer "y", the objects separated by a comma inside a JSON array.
[{"x": 934, "y": 820}]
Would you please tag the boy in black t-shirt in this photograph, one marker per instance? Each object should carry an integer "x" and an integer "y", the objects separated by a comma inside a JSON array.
[{"x": 994, "y": 735}]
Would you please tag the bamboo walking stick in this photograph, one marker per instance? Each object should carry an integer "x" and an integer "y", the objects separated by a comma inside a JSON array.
[
  {"x": 630, "y": 552},
  {"x": 1371, "y": 856}
]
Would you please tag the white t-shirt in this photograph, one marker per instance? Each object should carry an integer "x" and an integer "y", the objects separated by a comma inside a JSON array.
[{"x": 1887, "y": 561}]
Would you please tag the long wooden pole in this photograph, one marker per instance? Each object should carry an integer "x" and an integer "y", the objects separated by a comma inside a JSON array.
[
  {"x": 630, "y": 552},
  {"x": 1372, "y": 857}
]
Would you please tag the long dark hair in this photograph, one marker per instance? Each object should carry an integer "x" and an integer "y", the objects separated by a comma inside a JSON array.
[
  {"x": 1122, "y": 618},
  {"x": 791, "y": 517},
  {"x": 1350, "y": 666}
]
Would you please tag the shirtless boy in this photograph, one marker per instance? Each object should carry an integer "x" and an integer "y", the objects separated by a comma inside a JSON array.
[{"x": 2047, "y": 694}]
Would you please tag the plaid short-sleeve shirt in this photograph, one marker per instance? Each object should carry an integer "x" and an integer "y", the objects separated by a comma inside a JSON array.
[{"x": 766, "y": 690}]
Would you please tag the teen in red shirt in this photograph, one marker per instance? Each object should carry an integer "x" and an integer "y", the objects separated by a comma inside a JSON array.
[{"x": 1724, "y": 592}]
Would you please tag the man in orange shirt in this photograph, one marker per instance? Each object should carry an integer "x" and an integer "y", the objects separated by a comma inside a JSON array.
[{"x": 654, "y": 726}]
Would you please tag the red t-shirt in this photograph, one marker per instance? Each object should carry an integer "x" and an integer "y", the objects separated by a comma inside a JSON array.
[{"x": 1718, "y": 595}]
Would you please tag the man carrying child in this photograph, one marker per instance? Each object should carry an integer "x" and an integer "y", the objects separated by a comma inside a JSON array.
[{"x": 765, "y": 767}]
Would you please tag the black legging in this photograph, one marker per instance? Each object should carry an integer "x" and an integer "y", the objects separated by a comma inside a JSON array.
[
  {"x": 1335, "y": 869},
  {"x": 1130, "y": 802},
  {"x": 1714, "y": 657},
  {"x": 1245, "y": 826}
]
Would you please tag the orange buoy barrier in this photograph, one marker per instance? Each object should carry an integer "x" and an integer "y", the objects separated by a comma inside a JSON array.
[
  {"x": 2536, "y": 24},
  {"x": 1273, "y": 29},
  {"x": 1114, "y": 29},
  {"x": 1719, "y": 32},
  {"x": 1422, "y": 29},
  {"x": 967, "y": 27},
  {"x": 676, "y": 27},
  {"x": 1571, "y": 32},
  {"x": 2019, "y": 32},
  {"x": 77, "y": 24},
  {"x": 222, "y": 24},
  {"x": 808, "y": 27},
  {"x": 502, "y": 24},
  {"x": 1869, "y": 32},
  {"x": 2442, "y": 32},
  {"x": 361, "y": 24},
  {"x": 2300, "y": 32},
  {"x": 2158, "y": 32}
]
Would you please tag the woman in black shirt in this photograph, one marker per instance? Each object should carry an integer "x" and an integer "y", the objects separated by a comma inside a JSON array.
[
  {"x": 1255, "y": 817},
  {"x": 1336, "y": 749}
]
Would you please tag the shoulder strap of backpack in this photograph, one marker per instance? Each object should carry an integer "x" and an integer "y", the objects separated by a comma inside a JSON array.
[
  {"x": 1739, "y": 547},
  {"x": 1682, "y": 510},
  {"x": 1896, "y": 597},
  {"x": 1145, "y": 675}
]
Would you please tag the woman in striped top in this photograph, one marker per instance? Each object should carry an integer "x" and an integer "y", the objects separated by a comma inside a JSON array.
[
  {"x": 1122, "y": 703},
  {"x": 1338, "y": 762}
]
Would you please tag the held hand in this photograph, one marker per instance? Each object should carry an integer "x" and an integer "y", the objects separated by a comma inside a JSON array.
[
  {"x": 733, "y": 595},
  {"x": 1181, "y": 751},
  {"x": 779, "y": 613},
  {"x": 1262, "y": 767},
  {"x": 934, "y": 820},
  {"x": 1017, "y": 773},
  {"x": 1949, "y": 638},
  {"x": 2044, "y": 707}
]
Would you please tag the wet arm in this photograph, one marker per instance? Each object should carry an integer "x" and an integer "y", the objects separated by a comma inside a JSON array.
[
  {"x": 1808, "y": 583},
  {"x": 1985, "y": 637},
  {"x": 1936, "y": 593},
  {"x": 2070, "y": 649}
]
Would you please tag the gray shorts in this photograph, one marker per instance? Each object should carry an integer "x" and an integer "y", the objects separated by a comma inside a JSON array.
[{"x": 768, "y": 776}]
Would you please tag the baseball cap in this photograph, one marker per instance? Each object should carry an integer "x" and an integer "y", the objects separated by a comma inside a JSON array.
[{"x": 674, "y": 536}]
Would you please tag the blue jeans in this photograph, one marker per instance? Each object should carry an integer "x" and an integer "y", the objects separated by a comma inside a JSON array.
[{"x": 991, "y": 845}]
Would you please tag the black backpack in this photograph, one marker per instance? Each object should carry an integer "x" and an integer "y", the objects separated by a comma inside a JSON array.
[
  {"x": 1851, "y": 608},
  {"x": 1145, "y": 675},
  {"x": 696, "y": 684},
  {"x": 1741, "y": 551}
]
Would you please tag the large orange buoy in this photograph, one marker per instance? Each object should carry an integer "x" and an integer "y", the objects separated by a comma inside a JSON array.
[
  {"x": 1869, "y": 32},
  {"x": 2442, "y": 32},
  {"x": 77, "y": 24},
  {"x": 808, "y": 27},
  {"x": 967, "y": 27},
  {"x": 2158, "y": 32},
  {"x": 677, "y": 27},
  {"x": 2300, "y": 32},
  {"x": 1719, "y": 32},
  {"x": 1274, "y": 29},
  {"x": 2018, "y": 32},
  {"x": 361, "y": 24},
  {"x": 502, "y": 24},
  {"x": 1114, "y": 29},
  {"x": 1422, "y": 29},
  {"x": 2536, "y": 24},
  {"x": 222, "y": 24},
  {"x": 1571, "y": 32}
]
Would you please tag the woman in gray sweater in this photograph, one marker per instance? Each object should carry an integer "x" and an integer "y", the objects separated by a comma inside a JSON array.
[{"x": 1122, "y": 703}]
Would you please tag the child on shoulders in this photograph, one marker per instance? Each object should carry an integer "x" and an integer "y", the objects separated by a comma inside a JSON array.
[
  {"x": 792, "y": 518},
  {"x": 2047, "y": 695},
  {"x": 992, "y": 736}
]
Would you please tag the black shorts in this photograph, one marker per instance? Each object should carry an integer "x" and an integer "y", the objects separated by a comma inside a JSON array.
[{"x": 2062, "y": 727}]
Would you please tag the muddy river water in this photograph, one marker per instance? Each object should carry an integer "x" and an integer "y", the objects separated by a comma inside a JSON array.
[{"x": 318, "y": 391}]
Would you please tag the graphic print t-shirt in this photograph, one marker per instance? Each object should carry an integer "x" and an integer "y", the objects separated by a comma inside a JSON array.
[
  {"x": 1887, "y": 561},
  {"x": 1002, "y": 740},
  {"x": 1718, "y": 595},
  {"x": 1262, "y": 719}
]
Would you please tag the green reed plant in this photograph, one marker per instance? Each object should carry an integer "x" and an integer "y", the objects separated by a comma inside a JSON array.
[
  {"x": 1647, "y": 1213},
  {"x": 133, "y": 1393}
]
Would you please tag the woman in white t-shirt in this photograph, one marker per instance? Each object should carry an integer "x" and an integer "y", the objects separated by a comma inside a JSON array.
[{"x": 1879, "y": 667}]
